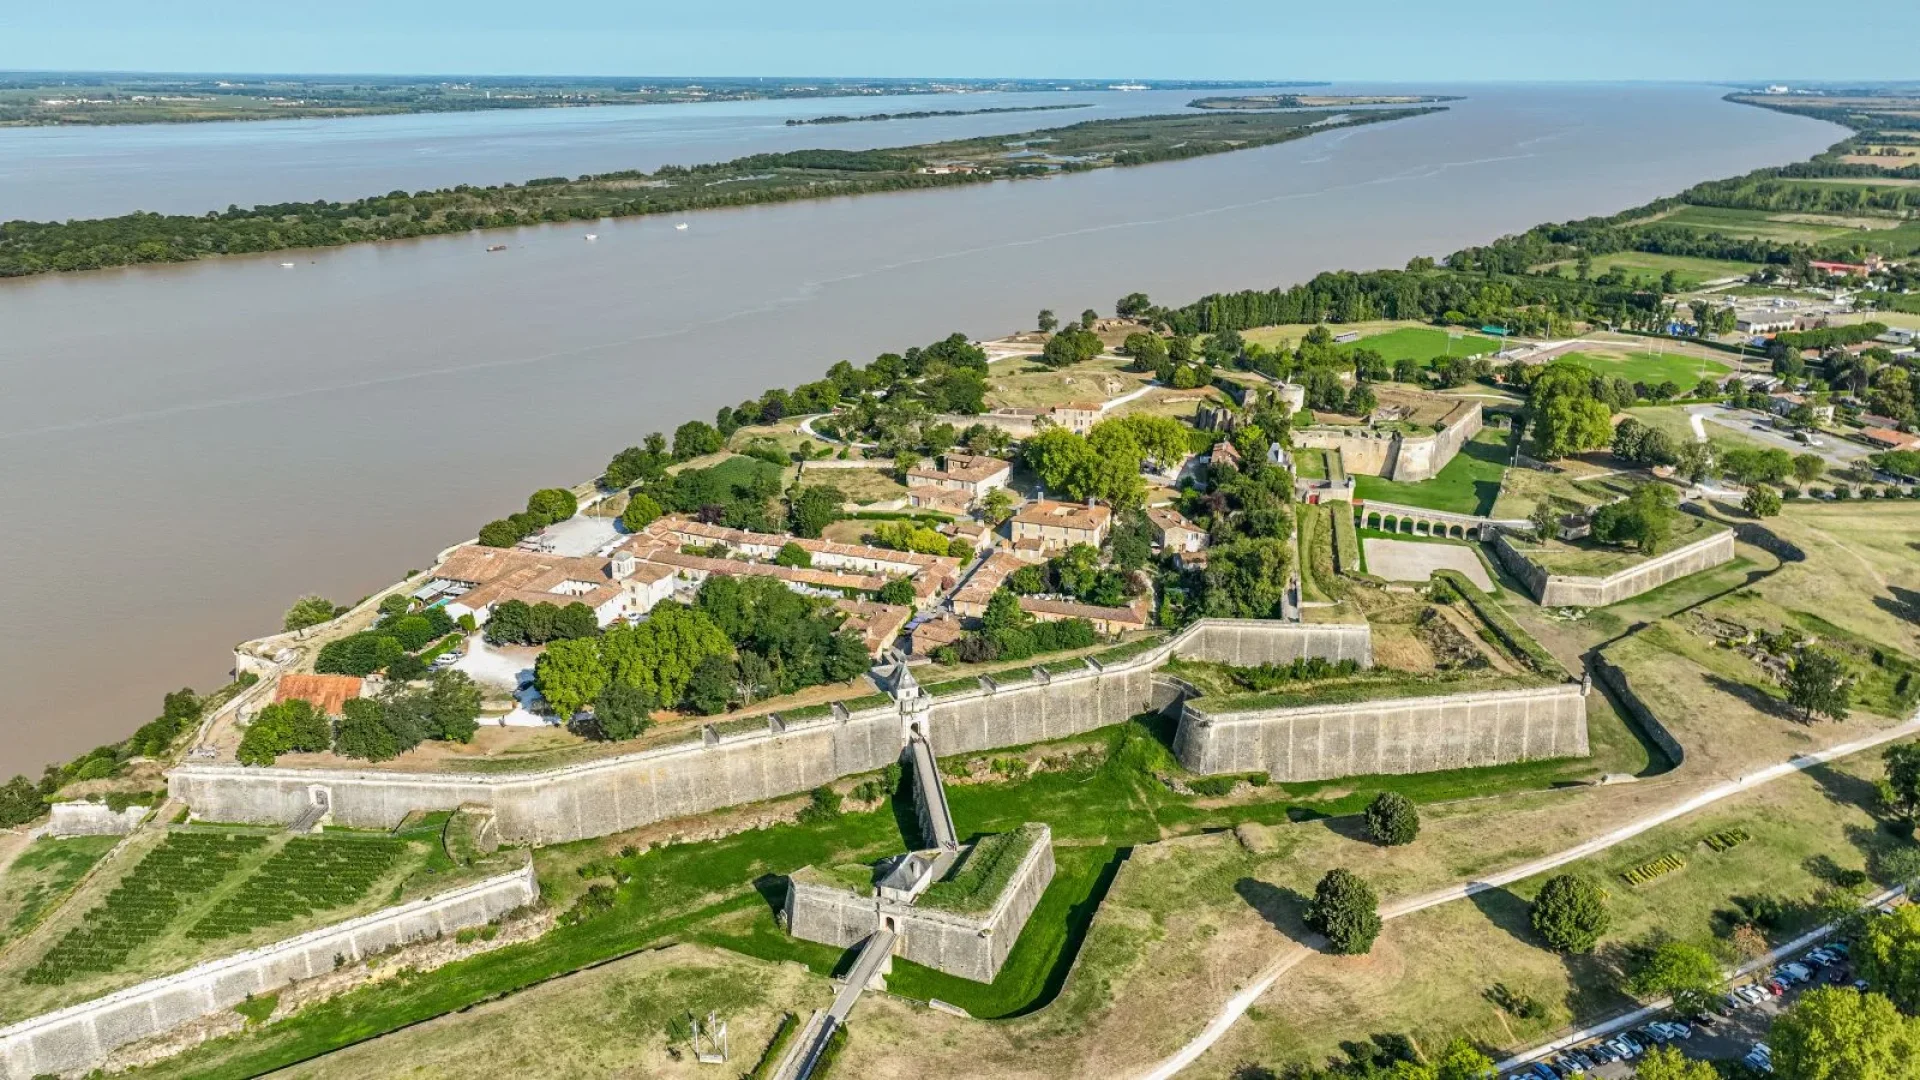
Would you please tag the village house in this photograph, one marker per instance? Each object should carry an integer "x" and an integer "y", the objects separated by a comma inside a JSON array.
[
  {"x": 1105, "y": 620},
  {"x": 877, "y": 624},
  {"x": 935, "y": 633},
  {"x": 971, "y": 600},
  {"x": 824, "y": 554},
  {"x": 1784, "y": 404},
  {"x": 1173, "y": 532},
  {"x": 1889, "y": 439},
  {"x": 973, "y": 474},
  {"x": 1224, "y": 454},
  {"x": 476, "y": 579},
  {"x": 1077, "y": 417},
  {"x": 940, "y": 500},
  {"x": 1056, "y": 526}
]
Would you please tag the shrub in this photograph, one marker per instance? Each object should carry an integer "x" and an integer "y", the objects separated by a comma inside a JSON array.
[
  {"x": 1727, "y": 839},
  {"x": 823, "y": 805},
  {"x": 1392, "y": 819},
  {"x": 1346, "y": 910},
  {"x": 1570, "y": 913},
  {"x": 1648, "y": 871}
]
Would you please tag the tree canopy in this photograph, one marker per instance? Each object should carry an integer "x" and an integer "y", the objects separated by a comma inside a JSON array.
[
  {"x": 1570, "y": 913},
  {"x": 1346, "y": 911}
]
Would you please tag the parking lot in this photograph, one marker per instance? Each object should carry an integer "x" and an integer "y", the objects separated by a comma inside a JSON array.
[{"x": 1740, "y": 1022}]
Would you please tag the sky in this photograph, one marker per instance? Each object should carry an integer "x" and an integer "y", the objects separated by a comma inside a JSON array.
[{"x": 1375, "y": 40}]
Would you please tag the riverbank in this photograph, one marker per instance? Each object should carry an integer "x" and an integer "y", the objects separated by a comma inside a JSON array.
[{"x": 28, "y": 248}]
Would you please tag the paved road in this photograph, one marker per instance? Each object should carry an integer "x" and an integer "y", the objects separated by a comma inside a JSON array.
[{"x": 1237, "y": 1006}]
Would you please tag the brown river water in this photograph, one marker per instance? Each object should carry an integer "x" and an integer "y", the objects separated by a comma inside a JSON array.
[{"x": 183, "y": 450}]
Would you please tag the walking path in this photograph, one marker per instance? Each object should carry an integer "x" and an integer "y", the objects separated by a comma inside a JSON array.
[{"x": 1237, "y": 1006}]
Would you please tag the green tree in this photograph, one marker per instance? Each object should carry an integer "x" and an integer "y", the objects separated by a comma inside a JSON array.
[
  {"x": 1685, "y": 972},
  {"x": 695, "y": 438},
  {"x": 284, "y": 727},
  {"x": 898, "y": 591},
  {"x": 1817, "y": 683},
  {"x": 1346, "y": 911},
  {"x": 811, "y": 509},
  {"x": 620, "y": 712},
  {"x": 1668, "y": 1063},
  {"x": 1903, "y": 775},
  {"x": 307, "y": 611},
  {"x": 1887, "y": 955},
  {"x": 363, "y": 732},
  {"x": 660, "y": 655},
  {"x": 1570, "y": 914},
  {"x": 453, "y": 707},
  {"x": 1808, "y": 467},
  {"x": 1088, "y": 318},
  {"x": 1761, "y": 501},
  {"x": 713, "y": 685},
  {"x": 792, "y": 555},
  {"x": 1004, "y": 612},
  {"x": 1642, "y": 520},
  {"x": 1047, "y": 321},
  {"x": 20, "y": 802},
  {"x": 1392, "y": 819},
  {"x": 641, "y": 512},
  {"x": 552, "y": 504},
  {"x": 570, "y": 674},
  {"x": 996, "y": 506},
  {"x": 1836, "y": 1033},
  {"x": 1461, "y": 1060}
]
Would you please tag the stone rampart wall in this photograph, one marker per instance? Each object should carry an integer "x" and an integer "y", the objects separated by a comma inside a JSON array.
[
  {"x": 1405, "y": 458},
  {"x": 1554, "y": 590},
  {"x": 616, "y": 794},
  {"x": 970, "y": 946},
  {"x": 93, "y": 819},
  {"x": 80, "y": 1037},
  {"x": 1606, "y": 671},
  {"x": 1404, "y": 735}
]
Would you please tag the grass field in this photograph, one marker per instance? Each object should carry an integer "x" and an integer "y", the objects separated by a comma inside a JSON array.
[
  {"x": 1032, "y": 385},
  {"x": 1583, "y": 558},
  {"x": 42, "y": 875},
  {"x": 1468, "y": 484},
  {"x": 1422, "y": 343},
  {"x": 1647, "y": 367},
  {"x": 1689, "y": 272}
]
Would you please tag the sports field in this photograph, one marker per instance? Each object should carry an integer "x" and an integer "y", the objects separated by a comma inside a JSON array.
[
  {"x": 1647, "y": 367},
  {"x": 1425, "y": 344}
]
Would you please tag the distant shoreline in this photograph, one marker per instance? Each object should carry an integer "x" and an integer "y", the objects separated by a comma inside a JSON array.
[{"x": 927, "y": 114}]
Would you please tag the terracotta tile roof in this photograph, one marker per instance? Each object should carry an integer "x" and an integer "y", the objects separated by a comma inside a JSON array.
[
  {"x": 963, "y": 468},
  {"x": 1165, "y": 518},
  {"x": 497, "y": 574},
  {"x": 877, "y": 624},
  {"x": 987, "y": 579},
  {"x": 934, "y": 633},
  {"x": 677, "y": 531},
  {"x": 1888, "y": 437},
  {"x": 1135, "y": 614},
  {"x": 1064, "y": 515},
  {"x": 324, "y": 692}
]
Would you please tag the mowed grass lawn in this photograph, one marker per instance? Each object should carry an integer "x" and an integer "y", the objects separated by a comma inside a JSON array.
[
  {"x": 1764, "y": 224},
  {"x": 1423, "y": 343},
  {"x": 1468, "y": 485},
  {"x": 1650, "y": 368}
]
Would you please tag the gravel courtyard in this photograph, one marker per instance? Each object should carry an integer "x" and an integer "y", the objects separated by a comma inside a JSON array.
[{"x": 1408, "y": 560}]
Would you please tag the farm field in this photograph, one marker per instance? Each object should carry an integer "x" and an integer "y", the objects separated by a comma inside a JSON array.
[
  {"x": 1468, "y": 484},
  {"x": 1646, "y": 367},
  {"x": 190, "y": 895},
  {"x": 1764, "y": 224}
]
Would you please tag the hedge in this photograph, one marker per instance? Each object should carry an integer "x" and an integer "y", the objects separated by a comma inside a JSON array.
[
  {"x": 1648, "y": 871},
  {"x": 1126, "y": 652}
]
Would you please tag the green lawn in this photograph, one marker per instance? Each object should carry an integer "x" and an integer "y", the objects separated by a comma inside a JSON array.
[
  {"x": 1468, "y": 485},
  {"x": 1423, "y": 343},
  {"x": 1650, "y": 368},
  {"x": 1689, "y": 272}
]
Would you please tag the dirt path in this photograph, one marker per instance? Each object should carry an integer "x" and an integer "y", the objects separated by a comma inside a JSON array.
[{"x": 1237, "y": 1006}]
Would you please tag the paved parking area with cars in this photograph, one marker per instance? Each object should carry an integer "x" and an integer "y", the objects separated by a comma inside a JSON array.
[{"x": 1735, "y": 1031}]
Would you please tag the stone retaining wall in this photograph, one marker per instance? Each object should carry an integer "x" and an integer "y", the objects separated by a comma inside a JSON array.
[
  {"x": 1556, "y": 590},
  {"x": 93, "y": 819},
  {"x": 970, "y": 946},
  {"x": 80, "y": 1037},
  {"x": 782, "y": 758},
  {"x": 1403, "y": 735},
  {"x": 1404, "y": 458},
  {"x": 1616, "y": 680}
]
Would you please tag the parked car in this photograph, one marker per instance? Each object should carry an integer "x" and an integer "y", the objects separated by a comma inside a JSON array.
[
  {"x": 1544, "y": 1072},
  {"x": 1838, "y": 948}
]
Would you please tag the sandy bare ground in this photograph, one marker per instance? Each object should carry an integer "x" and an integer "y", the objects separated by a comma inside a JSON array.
[{"x": 1408, "y": 560}]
